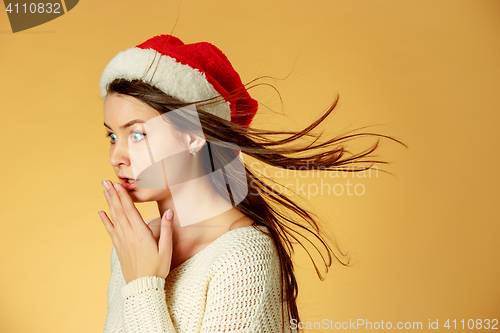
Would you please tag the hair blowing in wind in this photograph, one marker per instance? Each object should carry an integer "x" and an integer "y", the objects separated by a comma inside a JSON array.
[{"x": 286, "y": 220}]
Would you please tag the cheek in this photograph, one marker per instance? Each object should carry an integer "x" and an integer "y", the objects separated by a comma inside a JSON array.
[
  {"x": 152, "y": 150},
  {"x": 140, "y": 159},
  {"x": 158, "y": 167},
  {"x": 162, "y": 140}
]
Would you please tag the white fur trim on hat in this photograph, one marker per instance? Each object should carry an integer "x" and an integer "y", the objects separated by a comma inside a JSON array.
[{"x": 175, "y": 79}]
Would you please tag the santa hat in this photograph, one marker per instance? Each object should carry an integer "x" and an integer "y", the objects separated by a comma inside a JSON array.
[{"x": 188, "y": 72}]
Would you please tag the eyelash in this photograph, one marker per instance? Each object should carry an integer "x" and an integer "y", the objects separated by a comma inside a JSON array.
[{"x": 108, "y": 135}]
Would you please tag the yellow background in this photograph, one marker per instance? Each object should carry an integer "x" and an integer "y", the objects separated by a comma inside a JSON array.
[{"x": 424, "y": 242}]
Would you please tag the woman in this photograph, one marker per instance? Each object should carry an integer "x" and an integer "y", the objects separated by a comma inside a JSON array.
[{"x": 219, "y": 258}]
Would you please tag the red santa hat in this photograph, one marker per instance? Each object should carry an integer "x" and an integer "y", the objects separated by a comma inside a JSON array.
[{"x": 188, "y": 72}]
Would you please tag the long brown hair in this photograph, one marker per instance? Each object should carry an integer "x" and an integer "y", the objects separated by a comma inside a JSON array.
[{"x": 264, "y": 205}]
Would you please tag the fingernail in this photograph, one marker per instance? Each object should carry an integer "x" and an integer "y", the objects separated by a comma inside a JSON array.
[
  {"x": 170, "y": 214},
  {"x": 106, "y": 194},
  {"x": 116, "y": 186},
  {"x": 105, "y": 184}
]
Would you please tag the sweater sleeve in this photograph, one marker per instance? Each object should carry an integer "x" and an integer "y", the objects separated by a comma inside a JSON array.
[
  {"x": 145, "y": 307},
  {"x": 244, "y": 295}
]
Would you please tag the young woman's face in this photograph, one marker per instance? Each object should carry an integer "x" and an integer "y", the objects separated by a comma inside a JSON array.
[{"x": 139, "y": 139}]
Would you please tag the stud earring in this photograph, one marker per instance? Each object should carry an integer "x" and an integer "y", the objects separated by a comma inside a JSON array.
[{"x": 193, "y": 152}]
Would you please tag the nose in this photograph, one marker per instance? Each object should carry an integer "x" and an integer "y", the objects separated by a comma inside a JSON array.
[{"x": 118, "y": 154}]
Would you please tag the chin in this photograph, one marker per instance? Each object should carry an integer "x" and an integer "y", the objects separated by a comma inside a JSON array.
[
  {"x": 143, "y": 195},
  {"x": 137, "y": 196}
]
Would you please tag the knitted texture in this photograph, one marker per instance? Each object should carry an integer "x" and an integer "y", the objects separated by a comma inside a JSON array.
[{"x": 232, "y": 285}]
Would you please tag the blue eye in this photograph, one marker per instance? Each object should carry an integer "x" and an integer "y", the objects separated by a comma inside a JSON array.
[
  {"x": 137, "y": 136},
  {"x": 111, "y": 136}
]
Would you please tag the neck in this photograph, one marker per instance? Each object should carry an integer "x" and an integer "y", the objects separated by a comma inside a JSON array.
[{"x": 201, "y": 214}]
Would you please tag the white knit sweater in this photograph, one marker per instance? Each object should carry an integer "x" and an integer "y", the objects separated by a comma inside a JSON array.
[{"x": 232, "y": 285}]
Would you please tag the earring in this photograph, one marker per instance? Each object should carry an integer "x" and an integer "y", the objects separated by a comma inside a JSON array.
[{"x": 193, "y": 152}]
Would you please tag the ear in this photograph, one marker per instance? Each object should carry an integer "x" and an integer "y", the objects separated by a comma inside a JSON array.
[{"x": 194, "y": 141}]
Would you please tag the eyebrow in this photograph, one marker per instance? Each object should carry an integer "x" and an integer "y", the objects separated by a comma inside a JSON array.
[{"x": 130, "y": 123}]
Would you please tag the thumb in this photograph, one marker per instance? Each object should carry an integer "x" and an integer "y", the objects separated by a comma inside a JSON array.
[{"x": 166, "y": 231}]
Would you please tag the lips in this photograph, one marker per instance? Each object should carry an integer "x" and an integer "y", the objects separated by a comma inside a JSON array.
[{"x": 126, "y": 185}]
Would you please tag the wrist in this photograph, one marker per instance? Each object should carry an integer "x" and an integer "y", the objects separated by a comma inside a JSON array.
[{"x": 142, "y": 284}]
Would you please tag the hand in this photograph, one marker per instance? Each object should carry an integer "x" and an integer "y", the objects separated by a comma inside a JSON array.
[{"x": 135, "y": 245}]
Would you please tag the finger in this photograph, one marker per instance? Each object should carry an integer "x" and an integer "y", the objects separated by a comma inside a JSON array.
[
  {"x": 107, "y": 224},
  {"x": 117, "y": 227},
  {"x": 166, "y": 231},
  {"x": 133, "y": 215},
  {"x": 116, "y": 209}
]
